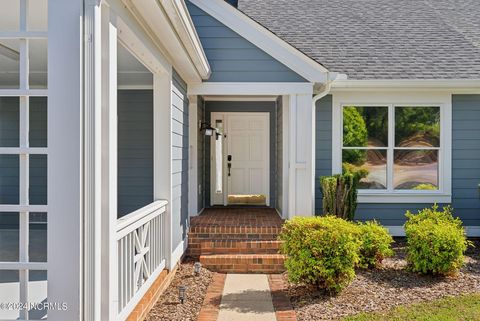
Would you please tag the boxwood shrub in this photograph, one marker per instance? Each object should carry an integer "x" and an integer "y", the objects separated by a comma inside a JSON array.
[
  {"x": 321, "y": 250},
  {"x": 436, "y": 241},
  {"x": 375, "y": 244}
]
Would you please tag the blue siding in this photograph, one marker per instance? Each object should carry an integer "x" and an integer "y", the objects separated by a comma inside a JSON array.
[
  {"x": 242, "y": 106},
  {"x": 233, "y": 58},
  {"x": 465, "y": 164},
  {"x": 135, "y": 150},
  {"x": 180, "y": 143},
  {"x": 466, "y": 157}
]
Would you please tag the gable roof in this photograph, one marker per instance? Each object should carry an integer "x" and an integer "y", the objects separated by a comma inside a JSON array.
[
  {"x": 379, "y": 39},
  {"x": 299, "y": 62}
]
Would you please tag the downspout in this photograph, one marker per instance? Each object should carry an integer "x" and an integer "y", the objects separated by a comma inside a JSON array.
[{"x": 331, "y": 77}]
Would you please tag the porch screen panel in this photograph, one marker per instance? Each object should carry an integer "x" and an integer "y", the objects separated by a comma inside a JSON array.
[{"x": 23, "y": 156}]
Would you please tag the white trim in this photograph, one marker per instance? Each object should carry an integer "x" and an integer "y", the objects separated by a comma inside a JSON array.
[
  {"x": 23, "y": 150},
  {"x": 264, "y": 39},
  {"x": 181, "y": 20},
  {"x": 396, "y": 230},
  {"x": 224, "y": 117},
  {"x": 24, "y": 92},
  {"x": 135, "y": 87},
  {"x": 128, "y": 309},
  {"x": 239, "y": 98},
  {"x": 23, "y": 208},
  {"x": 250, "y": 88},
  {"x": 65, "y": 158},
  {"x": 161, "y": 32},
  {"x": 137, "y": 43},
  {"x": 391, "y": 99},
  {"x": 193, "y": 155},
  {"x": 178, "y": 252},
  {"x": 39, "y": 266},
  {"x": 471, "y": 231},
  {"x": 162, "y": 101},
  {"x": 455, "y": 85},
  {"x": 286, "y": 154},
  {"x": 22, "y": 34},
  {"x": 395, "y": 197}
]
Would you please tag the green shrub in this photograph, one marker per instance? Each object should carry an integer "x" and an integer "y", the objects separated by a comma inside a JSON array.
[
  {"x": 321, "y": 250},
  {"x": 375, "y": 244},
  {"x": 436, "y": 241}
]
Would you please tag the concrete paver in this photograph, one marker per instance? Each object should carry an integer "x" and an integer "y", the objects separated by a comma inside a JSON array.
[{"x": 246, "y": 297}]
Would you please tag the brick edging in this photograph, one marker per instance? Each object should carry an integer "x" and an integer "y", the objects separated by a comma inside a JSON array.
[
  {"x": 152, "y": 295},
  {"x": 213, "y": 298},
  {"x": 281, "y": 302}
]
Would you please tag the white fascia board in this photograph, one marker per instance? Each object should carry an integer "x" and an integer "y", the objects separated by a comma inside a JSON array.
[
  {"x": 264, "y": 39},
  {"x": 454, "y": 85},
  {"x": 250, "y": 88},
  {"x": 181, "y": 20},
  {"x": 156, "y": 23}
]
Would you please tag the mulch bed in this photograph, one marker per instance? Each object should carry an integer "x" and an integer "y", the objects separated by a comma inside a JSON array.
[
  {"x": 169, "y": 308},
  {"x": 385, "y": 288}
]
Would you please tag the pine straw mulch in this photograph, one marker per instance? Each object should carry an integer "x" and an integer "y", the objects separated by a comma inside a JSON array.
[
  {"x": 385, "y": 288},
  {"x": 169, "y": 308}
]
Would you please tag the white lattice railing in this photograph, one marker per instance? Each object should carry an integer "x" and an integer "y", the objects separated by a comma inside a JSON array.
[{"x": 141, "y": 253}]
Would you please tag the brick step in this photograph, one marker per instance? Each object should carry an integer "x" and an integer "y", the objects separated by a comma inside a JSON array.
[
  {"x": 235, "y": 229},
  {"x": 197, "y": 238},
  {"x": 244, "y": 263},
  {"x": 234, "y": 247}
]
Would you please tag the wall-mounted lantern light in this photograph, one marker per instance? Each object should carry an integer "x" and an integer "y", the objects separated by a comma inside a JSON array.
[{"x": 207, "y": 129}]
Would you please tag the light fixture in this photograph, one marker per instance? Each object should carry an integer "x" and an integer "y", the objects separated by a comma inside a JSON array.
[
  {"x": 181, "y": 293},
  {"x": 209, "y": 130},
  {"x": 197, "y": 267}
]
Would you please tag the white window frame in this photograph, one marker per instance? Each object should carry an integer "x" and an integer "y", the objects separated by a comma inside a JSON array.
[
  {"x": 24, "y": 208},
  {"x": 392, "y": 100}
]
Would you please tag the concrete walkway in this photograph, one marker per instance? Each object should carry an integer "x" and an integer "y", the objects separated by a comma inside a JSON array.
[{"x": 246, "y": 297}]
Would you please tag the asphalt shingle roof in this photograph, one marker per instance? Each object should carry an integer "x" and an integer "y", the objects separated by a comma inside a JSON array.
[{"x": 379, "y": 39}]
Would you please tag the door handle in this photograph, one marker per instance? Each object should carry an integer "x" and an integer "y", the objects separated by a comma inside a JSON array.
[{"x": 229, "y": 166}]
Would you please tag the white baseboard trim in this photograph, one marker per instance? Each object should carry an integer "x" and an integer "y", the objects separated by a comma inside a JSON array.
[
  {"x": 472, "y": 231},
  {"x": 396, "y": 230},
  {"x": 179, "y": 251}
]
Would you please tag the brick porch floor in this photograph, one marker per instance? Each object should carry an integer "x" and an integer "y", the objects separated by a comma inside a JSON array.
[
  {"x": 237, "y": 216},
  {"x": 238, "y": 240}
]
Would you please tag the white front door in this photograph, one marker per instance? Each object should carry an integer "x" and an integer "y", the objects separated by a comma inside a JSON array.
[{"x": 246, "y": 159}]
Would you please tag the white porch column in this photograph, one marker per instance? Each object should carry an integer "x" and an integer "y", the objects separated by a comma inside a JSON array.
[
  {"x": 162, "y": 113},
  {"x": 193, "y": 156},
  {"x": 109, "y": 281},
  {"x": 301, "y": 180},
  {"x": 65, "y": 158}
]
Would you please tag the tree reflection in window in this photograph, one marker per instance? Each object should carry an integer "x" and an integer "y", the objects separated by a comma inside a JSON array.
[
  {"x": 365, "y": 138},
  {"x": 415, "y": 147}
]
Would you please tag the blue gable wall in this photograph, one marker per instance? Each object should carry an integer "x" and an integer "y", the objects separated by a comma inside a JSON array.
[
  {"x": 465, "y": 164},
  {"x": 234, "y": 59}
]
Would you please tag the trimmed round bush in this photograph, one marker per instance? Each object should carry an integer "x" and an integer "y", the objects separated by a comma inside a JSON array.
[
  {"x": 321, "y": 250},
  {"x": 375, "y": 244},
  {"x": 436, "y": 242}
]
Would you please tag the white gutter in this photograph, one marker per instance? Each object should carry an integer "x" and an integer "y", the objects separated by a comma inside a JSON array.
[{"x": 331, "y": 78}]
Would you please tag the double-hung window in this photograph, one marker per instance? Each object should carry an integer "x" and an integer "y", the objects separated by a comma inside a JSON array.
[{"x": 398, "y": 149}]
